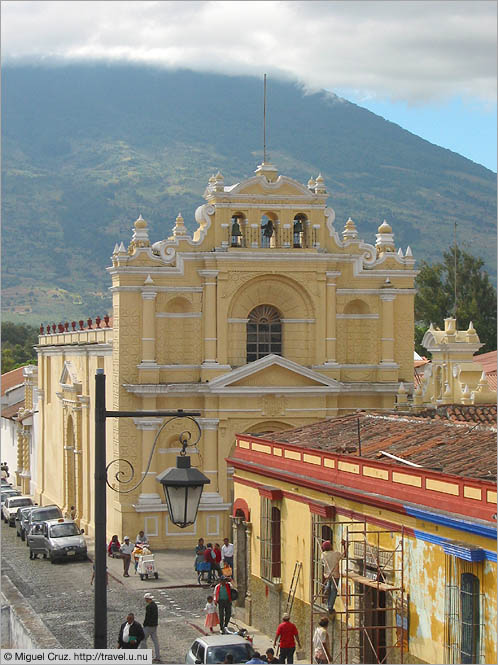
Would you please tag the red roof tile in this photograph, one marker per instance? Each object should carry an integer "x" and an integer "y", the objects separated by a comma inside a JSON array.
[
  {"x": 11, "y": 411},
  {"x": 488, "y": 361},
  {"x": 430, "y": 443},
  {"x": 11, "y": 379}
]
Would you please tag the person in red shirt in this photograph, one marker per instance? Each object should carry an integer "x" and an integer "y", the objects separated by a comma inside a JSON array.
[
  {"x": 209, "y": 557},
  {"x": 289, "y": 635},
  {"x": 217, "y": 560}
]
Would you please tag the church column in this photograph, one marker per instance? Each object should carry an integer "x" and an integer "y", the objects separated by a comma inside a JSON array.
[
  {"x": 78, "y": 464},
  {"x": 209, "y": 315},
  {"x": 209, "y": 451},
  {"x": 387, "y": 339},
  {"x": 149, "y": 325},
  {"x": 149, "y": 494},
  {"x": 331, "y": 333}
]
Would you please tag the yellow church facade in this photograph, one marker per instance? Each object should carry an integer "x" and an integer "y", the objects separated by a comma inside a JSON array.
[{"x": 266, "y": 318}]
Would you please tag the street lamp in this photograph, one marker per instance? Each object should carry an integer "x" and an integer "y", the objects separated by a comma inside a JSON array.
[{"x": 182, "y": 486}]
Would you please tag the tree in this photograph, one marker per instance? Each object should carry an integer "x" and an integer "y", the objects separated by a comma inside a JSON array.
[
  {"x": 476, "y": 297},
  {"x": 18, "y": 341}
]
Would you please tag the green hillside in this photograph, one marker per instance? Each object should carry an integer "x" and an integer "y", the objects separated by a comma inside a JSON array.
[{"x": 88, "y": 148}]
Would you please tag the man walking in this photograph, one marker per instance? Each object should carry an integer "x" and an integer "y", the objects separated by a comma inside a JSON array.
[
  {"x": 126, "y": 549},
  {"x": 223, "y": 598},
  {"x": 227, "y": 552},
  {"x": 289, "y": 635},
  {"x": 150, "y": 626},
  {"x": 130, "y": 634}
]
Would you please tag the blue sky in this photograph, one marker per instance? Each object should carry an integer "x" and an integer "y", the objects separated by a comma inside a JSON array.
[
  {"x": 427, "y": 65},
  {"x": 466, "y": 127}
]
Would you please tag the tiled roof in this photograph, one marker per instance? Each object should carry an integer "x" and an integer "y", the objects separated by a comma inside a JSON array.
[
  {"x": 488, "y": 361},
  {"x": 462, "y": 413},
  {"x": 11, "y": 379},
  {"x": 11, "y": 411},
  {"x": 456, "y": 448}
]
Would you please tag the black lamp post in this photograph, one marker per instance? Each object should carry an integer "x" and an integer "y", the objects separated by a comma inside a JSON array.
[{"x": 182, "y": 486}]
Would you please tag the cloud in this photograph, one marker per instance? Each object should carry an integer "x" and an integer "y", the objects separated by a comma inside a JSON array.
[{"x": 416, "y": 52}]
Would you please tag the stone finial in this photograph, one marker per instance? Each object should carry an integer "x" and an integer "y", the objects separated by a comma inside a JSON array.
[
  {"x": 116, "y": 249},
  {"x": 350, "y": 232},
  {"x": 179, "y": 229},
  {"x": 140, "y": 223},
  {"x": 311, "y": 183},
  {"x": 385, "y": 239},
  {"x": 384, "y": 228},
  {"x": 219, "y": 184},
  {"x": 400, "y": 253},
  {"x": 212, "y": 180},
  {"x": 320, "y": 185},
  {"x": 122, "y": 248},
  {"x": 409, "y": 254}
]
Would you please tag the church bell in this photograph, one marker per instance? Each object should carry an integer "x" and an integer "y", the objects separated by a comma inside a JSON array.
[
  {"x": 236, "y": 229},
  {"x": 298, "y": 226}
]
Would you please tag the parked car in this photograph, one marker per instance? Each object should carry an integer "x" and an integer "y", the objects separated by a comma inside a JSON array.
[
  {"x": 11, "y": 506},
  {"x": 214, "y": 648},
  {"x": 6, "y": 493},
  {"x": 42, "y": 514},
  {"x": 22, "y": 517},
  {"x": 57, "y": 539},
  {"x": 5, "y": 483}
]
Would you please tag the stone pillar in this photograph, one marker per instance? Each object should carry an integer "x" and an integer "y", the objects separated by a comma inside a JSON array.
[
  {"x": 149, "y": 489},
  {"x": 149, "y": 325},
  {"x": 78, "y": 464},
  {"x": 331, "y": 329},
  {"x": 209, "y": 316},
  {"x": 387, "y": 339},
  {"x": 20, "y": 455},
  {"x": 209, "y": 449}
]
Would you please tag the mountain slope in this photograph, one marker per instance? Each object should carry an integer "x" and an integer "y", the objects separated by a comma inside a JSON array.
[{"x": 87, "y": 148}]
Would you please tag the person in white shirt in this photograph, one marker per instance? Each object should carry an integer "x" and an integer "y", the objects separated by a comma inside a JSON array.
[
  {"x": 331, "y": 571},
  {"x": 227, "y": 552},
  {"x": 126, "y": 550}
]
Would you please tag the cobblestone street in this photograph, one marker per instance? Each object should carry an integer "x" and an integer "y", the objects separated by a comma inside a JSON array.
[{"x": 62, "y": 597}]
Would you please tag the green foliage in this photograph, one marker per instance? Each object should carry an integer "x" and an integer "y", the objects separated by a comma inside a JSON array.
[
  {"x": 18, "y": 341},
  {"x": 476, "y": 297}
]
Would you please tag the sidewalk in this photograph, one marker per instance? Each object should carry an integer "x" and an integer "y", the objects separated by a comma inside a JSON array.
[{"x": 176, "y": 570}]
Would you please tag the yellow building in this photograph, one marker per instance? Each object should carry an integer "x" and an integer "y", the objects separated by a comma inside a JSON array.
[
  {"x": 267, "y": 317},
  {"x": 410, "y": 501}
]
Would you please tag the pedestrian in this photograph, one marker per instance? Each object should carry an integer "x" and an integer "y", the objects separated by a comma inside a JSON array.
[
  {"x": 331, "y": 572},
  {"x": 113, "y": 547},
  {"x": 200, "y": 548},
  {"x": 106, "y": 576},
  {"x": 126, "y": 550},
  {"x": 289, "y": 635},
  {"x": 131, "y": 633},
  {"x": 141, "y": 539},
  {"x": 217, "y": 560},
  {"x": 72, "y": 513},
  {"x": 270, "y": 656},
  {"x": 256, "y": 658},
  {"x": 321, "y": 643},
  {"x": 227, "y": 552},
  {"x": 209, "y": 557},
  {"x": 223, "y": 598},
  {"x": 212, "y": 619},
  {"x": 151, "y": 622}
]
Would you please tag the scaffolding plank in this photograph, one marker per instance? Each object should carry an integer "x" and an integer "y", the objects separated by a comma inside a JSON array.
[{"x": 368, "y": 582}]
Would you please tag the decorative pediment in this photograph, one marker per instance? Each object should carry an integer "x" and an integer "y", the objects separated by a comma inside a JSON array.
[
  {"x": 283, "y": 186},
  {"x": 69, "y": 379},
  {"x": 275, "y": 372}
]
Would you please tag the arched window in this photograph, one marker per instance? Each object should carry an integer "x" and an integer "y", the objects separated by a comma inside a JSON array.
[
  {"x": 470, "y": 616},
  {"x": 298, "y": 230},
  {"x": 264, "y": 333},
  {"x": 236, "y": 234}
]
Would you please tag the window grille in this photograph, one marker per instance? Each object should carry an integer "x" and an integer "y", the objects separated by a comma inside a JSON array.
[
  {"x": 270, "y": 541},
  {"x": 464, "y": 611},
  {"x": 264, "y": 333}
]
